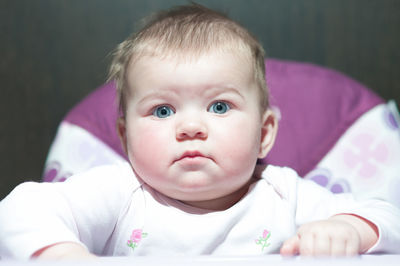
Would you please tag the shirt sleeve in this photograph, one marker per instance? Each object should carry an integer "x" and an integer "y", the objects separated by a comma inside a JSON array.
[
  {"x": 314, "y": 202},
  {"x": 84, "y": 210}
]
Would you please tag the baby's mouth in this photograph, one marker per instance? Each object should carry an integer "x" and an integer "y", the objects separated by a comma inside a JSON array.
[{"x": 192, "y": 156}]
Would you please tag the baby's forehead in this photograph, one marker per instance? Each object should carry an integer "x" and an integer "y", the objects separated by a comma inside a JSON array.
[
  {"x": 233, "y": 59},
  {"x": 225, "y": 62},
  {"x": 151, "y": 68},
  {"x": 206, "y": 77},
  {"x": 187, "y": 53}
]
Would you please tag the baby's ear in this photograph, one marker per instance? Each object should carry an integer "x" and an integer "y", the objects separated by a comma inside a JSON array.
[
  {"x": 268, "y": 132},
  {"x": 121, "y": 129}
]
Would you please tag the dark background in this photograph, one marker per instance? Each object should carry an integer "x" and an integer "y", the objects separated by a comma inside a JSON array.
[{"x": 54, "y": 52}]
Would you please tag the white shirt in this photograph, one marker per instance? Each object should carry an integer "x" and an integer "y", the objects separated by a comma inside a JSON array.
[{"x": 103, "y": 207}]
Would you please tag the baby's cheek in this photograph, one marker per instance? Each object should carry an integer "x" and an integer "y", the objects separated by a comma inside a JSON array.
[
  {"x": 241, "y": 146},
  {"x": 145, "y": 149}
]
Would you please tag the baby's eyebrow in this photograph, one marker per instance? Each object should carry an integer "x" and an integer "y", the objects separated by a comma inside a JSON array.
[
  {"x": 208, "y": 92},
  {"x": 157, "y": 95},
  {"x": 218, "y": 90}
]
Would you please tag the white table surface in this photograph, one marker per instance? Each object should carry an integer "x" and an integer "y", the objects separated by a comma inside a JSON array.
[{"x": 270, "y": 260}]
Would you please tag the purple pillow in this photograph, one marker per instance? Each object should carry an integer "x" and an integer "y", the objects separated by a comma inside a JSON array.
[{"x": 316, "y": 105}]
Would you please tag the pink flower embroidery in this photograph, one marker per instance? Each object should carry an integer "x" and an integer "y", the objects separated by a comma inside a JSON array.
[
  {"x": 265, "y": 234},
  {"x": 135, "y": 238},
  {"x": 263, "y": 240}
]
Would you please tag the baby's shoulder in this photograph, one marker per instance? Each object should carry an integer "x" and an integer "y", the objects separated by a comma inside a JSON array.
[
  {"x": 117, "y": 176},
  {"x": 284, "y": 180},
  {"x": 289, "y": 184},
  {"x": 279, "y": 174}
]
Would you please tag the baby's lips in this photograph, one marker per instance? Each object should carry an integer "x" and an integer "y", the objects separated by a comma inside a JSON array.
[{"x": 192, "y": 154}]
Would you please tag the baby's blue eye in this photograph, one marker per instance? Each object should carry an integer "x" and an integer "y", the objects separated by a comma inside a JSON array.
[
  {"x": 163, "y": 111},
  {"x": 219, "y": 108}
]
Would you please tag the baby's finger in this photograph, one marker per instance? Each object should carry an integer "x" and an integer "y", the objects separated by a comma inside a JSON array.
[
  {"x": 290, "y": 247},
  {"x": 338, "y": 247},
  {"x": 306, "y": 244},
  {"x": 352, "y": 247},
  {"x": 322, "y": 245}
]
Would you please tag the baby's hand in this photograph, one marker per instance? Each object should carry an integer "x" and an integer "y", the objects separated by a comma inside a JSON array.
[{"x": 332, "y": 237}]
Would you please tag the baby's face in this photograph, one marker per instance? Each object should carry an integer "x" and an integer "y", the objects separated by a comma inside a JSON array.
[{"x": 193, "y": 129}]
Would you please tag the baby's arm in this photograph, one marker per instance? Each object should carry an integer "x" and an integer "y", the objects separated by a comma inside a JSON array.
[
  {"x": 83, "y": 210},
  {"x": 340, "y": 235},
  {"x": 64, "y": 250}
]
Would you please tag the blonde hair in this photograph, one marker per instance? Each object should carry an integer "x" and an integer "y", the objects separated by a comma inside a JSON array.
[{"x": 187, "y": 30}]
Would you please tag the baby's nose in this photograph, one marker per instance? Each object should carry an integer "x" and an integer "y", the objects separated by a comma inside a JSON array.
[{"x": 192, "y": 129}]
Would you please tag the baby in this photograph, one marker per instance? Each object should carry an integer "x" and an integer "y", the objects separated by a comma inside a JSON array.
[{"x": 194, "y": 120}]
